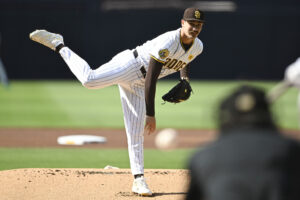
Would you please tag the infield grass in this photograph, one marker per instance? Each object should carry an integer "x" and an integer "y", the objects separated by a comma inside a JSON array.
[{"x": 66, "y": 104}]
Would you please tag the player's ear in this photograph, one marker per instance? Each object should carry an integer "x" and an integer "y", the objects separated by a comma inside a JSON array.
[{"x": 182, "y": 22}]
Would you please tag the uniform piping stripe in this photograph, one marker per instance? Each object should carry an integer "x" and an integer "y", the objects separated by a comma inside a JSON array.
[{"x": 157, "y": 59}]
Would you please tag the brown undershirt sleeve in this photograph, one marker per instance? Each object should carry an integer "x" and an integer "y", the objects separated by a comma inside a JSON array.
[
  {"x": 184, "y": 73},
  {"x": 150, "y": 85}
]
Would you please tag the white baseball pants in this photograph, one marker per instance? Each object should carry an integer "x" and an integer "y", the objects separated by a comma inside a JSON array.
[{"x": 124, "y": 70}]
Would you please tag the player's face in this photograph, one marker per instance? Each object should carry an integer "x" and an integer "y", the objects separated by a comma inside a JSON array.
[{"x": 191, "y": 29}]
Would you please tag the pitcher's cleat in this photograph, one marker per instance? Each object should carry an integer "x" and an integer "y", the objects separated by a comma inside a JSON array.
[
  {"x": 46, "y": 38},
  {"x": 140, "y": 187}
]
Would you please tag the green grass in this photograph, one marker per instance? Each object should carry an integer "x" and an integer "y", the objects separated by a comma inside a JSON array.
[
  {"x": 14, "y": 158},
  {"x": 67, "y": 104}
]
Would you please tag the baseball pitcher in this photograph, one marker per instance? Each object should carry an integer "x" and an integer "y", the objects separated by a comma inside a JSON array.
[{"x": 136, "y": 72}]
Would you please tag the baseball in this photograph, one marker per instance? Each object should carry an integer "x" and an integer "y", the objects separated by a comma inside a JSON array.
[{"x": 166, "y": 139}]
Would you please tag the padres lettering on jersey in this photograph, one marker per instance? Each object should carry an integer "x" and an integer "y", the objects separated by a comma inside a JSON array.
[
  {"x": 174, "y": 64},
  {"x": 167, "y": 49}
]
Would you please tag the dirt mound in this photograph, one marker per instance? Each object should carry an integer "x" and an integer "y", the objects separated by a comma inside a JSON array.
[{"x": 89, "y": 184}]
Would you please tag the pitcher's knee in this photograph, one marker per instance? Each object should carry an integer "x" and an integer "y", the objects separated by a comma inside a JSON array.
[
  {"x": 86, "y": 84},
  {"x": 89, "y": 83},
  {"x": 94, "y": 84}
]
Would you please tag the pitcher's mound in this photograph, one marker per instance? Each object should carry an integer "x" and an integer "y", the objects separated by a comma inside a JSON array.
[{"x": 90, "y": 184}]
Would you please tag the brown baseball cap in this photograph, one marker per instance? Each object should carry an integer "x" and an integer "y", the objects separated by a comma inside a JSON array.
[{"x": 193, "y": 14}]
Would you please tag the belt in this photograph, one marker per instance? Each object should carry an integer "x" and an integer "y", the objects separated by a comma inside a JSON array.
[{"x": 142, "y": 69}]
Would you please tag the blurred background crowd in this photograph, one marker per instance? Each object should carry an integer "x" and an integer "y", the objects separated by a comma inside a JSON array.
[{"x": 245, "y": 39}]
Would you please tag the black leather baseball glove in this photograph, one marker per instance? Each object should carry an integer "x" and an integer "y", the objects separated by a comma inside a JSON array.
[{"x": 180, "y": 92}]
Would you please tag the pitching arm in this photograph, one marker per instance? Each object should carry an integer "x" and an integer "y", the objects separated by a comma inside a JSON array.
[
  {"x": 153, "y": 72},
  {"x": 150, "y": 85}
]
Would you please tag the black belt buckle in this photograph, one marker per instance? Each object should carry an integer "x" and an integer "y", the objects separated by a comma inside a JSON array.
[
  {"x": 135, "y": 53},
  {"x": 143, "y": 70}
]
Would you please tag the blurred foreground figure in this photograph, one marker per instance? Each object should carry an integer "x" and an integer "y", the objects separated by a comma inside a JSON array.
[
  {"x": 3, "y": 77},
  {"x": 292, "y": 73},
  {"x": 251, "y": 160},
  {"x": 292, "y": 76}
]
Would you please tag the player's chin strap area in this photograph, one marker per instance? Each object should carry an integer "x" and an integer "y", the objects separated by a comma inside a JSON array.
[{"x": 142, "y": 69}]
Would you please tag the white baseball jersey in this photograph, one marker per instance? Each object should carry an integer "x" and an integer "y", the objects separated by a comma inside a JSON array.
[
  {"x": 124, "y": 70},
  {"x": 167, "y": 48}
]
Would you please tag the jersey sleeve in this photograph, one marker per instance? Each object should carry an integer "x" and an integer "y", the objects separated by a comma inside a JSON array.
[{"x": 162, "y": 46}]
